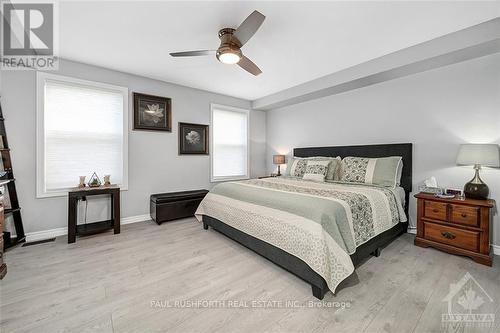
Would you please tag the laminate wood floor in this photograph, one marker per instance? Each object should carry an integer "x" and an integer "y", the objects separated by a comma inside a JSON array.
[{"x": 132, "y": 281}]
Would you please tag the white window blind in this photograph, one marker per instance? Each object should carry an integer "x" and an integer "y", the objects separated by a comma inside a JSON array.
[
  {"x": 83, "y": 130},
  {"x": 229, "y": 143}
]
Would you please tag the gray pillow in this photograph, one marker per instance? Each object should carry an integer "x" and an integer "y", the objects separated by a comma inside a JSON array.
[
  {"x": 298, "y": 169},
  {"x": 385, "y": 171}
]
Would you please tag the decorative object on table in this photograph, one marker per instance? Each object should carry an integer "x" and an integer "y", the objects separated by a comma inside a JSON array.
[
  {"x": 445, "y": 196},
  {"x": 455, "y": 226},
  {"x": 453, "y": 191},
  {"x": 459, "y": 194},
  {"x": 431, "y": 190},
  {"x": 152, "y": 113},
  {"x": 193, "y": 139},
  {"x": 94, "y": 181},
  {"x": 278, "y": 160},
  {"x": 478, "y": 155},
  {"x": 82, "y": 181},
  {"x": 107, "y": 180},
  {"x": 431, "y": 182},
  {"x": 430, "y": 185}
]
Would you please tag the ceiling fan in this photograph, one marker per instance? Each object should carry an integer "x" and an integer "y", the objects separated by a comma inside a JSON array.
[{"x": 229, "y": 51}]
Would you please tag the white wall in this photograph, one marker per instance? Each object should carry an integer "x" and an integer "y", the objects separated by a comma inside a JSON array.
[
  {"x": 435, "y": 110},
  {"x": 154, "y": 163}
]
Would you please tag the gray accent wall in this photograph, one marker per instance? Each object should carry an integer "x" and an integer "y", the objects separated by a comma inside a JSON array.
[
  {"x": 154, "y": 163},
  {"x": 436, "y": 110}
]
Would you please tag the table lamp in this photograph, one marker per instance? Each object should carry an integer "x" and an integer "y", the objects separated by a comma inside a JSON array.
[
  {"x": 478, "y": 155},
  {"x": 279, "y": 159}
]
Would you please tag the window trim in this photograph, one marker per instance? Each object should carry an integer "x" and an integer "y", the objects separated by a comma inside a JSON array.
[
  {"x": 231, "y": 109},
  {"x": 41, "y": 78}
]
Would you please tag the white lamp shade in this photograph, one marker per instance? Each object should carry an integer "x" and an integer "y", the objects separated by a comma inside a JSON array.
[{"x": 482, "y": 154}]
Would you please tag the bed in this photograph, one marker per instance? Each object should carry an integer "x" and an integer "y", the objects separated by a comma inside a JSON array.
[{"x": 307, "y": 227}]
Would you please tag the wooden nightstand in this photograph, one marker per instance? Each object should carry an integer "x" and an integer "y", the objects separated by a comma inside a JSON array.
[{"x": 455, "y": 226}]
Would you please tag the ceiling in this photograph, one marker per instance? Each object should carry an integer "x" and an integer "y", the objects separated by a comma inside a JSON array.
[{"x": 298, "y": 41}]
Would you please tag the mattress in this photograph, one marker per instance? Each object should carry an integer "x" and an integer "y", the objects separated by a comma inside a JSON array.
[{"x": 320, "y": 223}]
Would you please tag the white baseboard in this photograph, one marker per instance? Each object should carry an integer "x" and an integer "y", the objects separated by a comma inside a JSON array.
[
  {"x": 135, "y": 219},
  {"x": 46, "y": 234}
]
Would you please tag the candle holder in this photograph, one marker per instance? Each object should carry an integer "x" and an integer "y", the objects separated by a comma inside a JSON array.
[{"x": 82, "y": 181}]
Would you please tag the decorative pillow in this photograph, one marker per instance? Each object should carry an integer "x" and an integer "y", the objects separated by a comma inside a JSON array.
[
  {"x": 316, "y": 170},
  {"x": 333, "y": 168},
  {"x": 297, "y": 169},
  {"x": 385, "y": 171}
]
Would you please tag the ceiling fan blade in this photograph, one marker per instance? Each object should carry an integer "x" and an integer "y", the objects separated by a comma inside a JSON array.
[
  {"x": 249, "y": 66},
  {"x": 249, "y": 27},
  {"x": 192, "y": 53}
]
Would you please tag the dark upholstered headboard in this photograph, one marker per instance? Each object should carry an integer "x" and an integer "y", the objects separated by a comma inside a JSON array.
[{"x": 404, "y": 150}]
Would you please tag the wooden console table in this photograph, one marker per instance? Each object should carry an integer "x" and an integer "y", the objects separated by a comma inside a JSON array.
[{"x": 92, "y": 228}]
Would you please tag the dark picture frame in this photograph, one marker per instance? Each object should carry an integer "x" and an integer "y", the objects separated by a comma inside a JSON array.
[
  {"x": 193, "y": 139},
  {"x": 153, "y": 113}
]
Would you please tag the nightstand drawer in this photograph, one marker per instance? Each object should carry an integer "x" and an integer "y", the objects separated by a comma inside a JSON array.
[
  {"x": 465, "y": 239},
  {"x": 435, "y": 210},
  {"x": 465, "y": 215}
]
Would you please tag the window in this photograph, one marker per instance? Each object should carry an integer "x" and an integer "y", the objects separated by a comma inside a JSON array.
[
  {"x": 82, "y": 128},
  {"x": 229, "y": 152}
]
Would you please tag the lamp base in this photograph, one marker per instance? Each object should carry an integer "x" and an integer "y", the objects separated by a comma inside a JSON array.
[
  {"x": 476, "y": 191},
  {"x": 476, "y": 188}
]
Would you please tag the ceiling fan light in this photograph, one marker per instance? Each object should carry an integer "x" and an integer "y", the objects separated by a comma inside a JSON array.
[{"x": 229, "y": 58}]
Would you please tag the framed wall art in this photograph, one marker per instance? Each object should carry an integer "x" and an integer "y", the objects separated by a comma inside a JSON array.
[
  {"x": 152, "y": 113},
  {"x": 193, "y": 139}
]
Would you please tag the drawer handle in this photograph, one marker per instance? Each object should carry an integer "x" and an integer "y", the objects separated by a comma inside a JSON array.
[
  {"x": 464, "y": 215},
  {"x": 435, "y": 210},
  {"x": 448, "y": 235}
]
